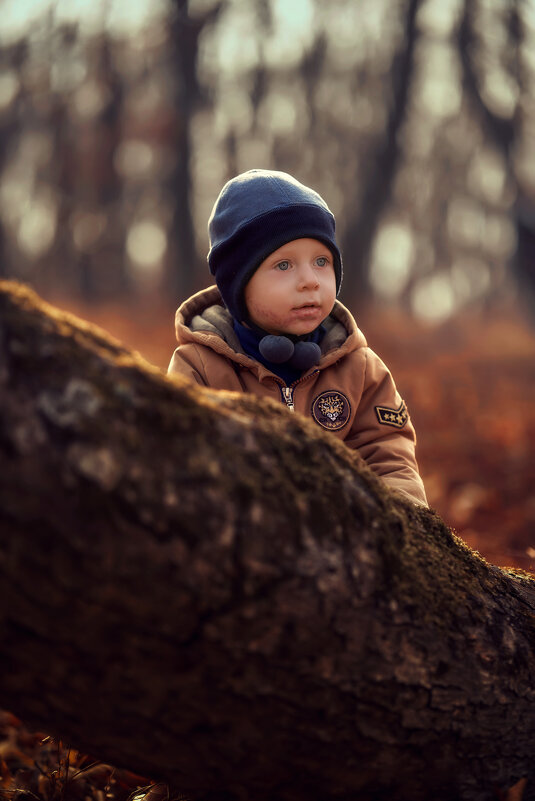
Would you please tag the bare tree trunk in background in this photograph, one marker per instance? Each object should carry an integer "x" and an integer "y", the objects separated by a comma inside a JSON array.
[
  {"x": 524, "y": 261},
  {"x": 183, "y": 262},
  {"x": 209, "y": 590},
  {"x": 503, "y": 131},
  {"x": 3, "y": 253},
  {"x": 107, "y": 265},
  {"x": 6, "y": 128},
  {"x": 101, "y": 271},
  {"x": 311, "y": 68},
  {"x": 231, "y": 153},
  {"x": 381, "y": 170},
  {"x": 83, "y": 169},
  {"x": 10, "y": 58}
]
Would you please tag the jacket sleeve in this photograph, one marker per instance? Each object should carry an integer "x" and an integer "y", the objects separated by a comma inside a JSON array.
[
  {"x": 187, "y": 362},
  {"x": 383, "y": 433}
]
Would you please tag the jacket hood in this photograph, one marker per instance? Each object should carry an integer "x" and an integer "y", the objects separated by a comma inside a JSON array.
[{"x": 204, "y": 320}]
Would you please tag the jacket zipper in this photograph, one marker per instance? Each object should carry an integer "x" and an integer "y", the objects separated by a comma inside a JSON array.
[
  {"x": 289, "y": 398},
  {"x": 288, "y": 392}
]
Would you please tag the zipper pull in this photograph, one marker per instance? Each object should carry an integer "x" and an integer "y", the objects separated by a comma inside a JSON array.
[{"x": 288, "y": 397}]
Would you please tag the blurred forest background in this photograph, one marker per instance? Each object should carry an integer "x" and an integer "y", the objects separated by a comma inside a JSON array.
[{"x": 415, "y": 119}]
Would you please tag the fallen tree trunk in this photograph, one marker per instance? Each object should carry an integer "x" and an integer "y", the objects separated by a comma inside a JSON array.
[{"x": 210, "y": 591}]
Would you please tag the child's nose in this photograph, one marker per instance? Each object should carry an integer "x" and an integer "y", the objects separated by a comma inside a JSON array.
[{"x": 307, "y": 276}]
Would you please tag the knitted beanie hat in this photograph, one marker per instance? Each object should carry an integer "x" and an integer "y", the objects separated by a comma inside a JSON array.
[{"x": 256, "y": 213}]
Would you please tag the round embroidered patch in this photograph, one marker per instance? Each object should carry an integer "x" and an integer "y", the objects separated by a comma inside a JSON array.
[{"x": 331, "y": 410}]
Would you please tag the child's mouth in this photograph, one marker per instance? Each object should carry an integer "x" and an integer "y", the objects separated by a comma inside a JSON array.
[{"x": 307, "y": 310}]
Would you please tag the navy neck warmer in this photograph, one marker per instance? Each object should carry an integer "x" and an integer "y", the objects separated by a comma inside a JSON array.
[{"x": 250, "y": 340}]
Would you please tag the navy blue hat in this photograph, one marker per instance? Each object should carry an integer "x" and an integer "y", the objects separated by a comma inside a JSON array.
[{"x": 256, "y": 213}]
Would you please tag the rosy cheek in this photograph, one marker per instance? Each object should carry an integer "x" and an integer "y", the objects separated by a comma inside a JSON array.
[{"x": 263, "y": 311}]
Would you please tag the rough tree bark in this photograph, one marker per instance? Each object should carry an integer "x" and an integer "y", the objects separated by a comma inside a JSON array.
[{"x": 210, "y": 591}]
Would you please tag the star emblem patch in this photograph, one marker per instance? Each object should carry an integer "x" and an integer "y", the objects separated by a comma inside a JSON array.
[{"x": 392, "y": 417}]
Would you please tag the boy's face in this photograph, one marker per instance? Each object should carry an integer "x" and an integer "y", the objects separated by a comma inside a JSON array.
[{"x": 294, "y": 289}]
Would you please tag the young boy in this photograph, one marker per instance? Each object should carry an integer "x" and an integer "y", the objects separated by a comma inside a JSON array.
[{"x": 273, "y": 327}]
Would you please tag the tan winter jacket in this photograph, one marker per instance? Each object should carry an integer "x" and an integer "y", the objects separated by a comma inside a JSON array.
[{"x": 350, "y": 393}]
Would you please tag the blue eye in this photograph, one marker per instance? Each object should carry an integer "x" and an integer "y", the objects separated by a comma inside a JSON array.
[
  {"x": 283, "y": 265},
  {"x": 321, "y": 261}
]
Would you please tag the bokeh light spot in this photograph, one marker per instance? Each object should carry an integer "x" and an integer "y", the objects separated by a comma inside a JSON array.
[{"x": 146, "y": 244}]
